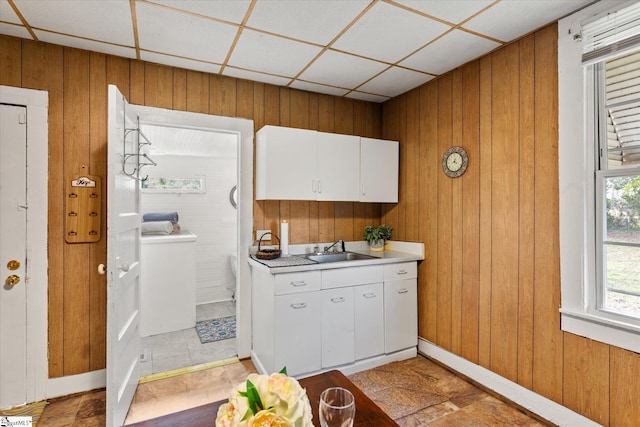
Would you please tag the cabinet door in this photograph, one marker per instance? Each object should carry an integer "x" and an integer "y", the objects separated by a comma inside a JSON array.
[
  {"x": 297, "y": 326},
  {"x": 369, "y": 320},
  {"x": 337, "y": 327},
  {"x": 338, "y": 167},
  {"x": 285, "y": 164},
  {"x": 378, "y": 170},
  {"x": 400, "y": 314}
]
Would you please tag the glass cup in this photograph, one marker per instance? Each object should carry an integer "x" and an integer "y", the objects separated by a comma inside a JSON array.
[{"x": 337, "y": 408}]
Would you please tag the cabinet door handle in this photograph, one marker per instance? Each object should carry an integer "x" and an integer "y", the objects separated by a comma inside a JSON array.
[
  {"x": 369, "y": 295},
  {"x": 337, "y": 299},
  {"x": 401, "y": 272},
  {"x": 319, "y": 186},
  {"x": 299, "y": 283},
  {"x": 363, "y": 189},
  {"x": 299, "y": 305},
  {"x": 403, "y": 291}
]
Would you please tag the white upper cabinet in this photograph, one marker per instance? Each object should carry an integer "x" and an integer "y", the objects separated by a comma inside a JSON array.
[
  {"x": 379, "y": 165},
  {"x": 301, "y": 164},
  {"x": 338, "y": 167},
  {"x": 285, "y": 164}
]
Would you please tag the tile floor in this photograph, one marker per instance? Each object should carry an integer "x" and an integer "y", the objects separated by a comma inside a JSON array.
[
  {"x": 179, "y": 349},
  {"x": 415, "y": 393}
]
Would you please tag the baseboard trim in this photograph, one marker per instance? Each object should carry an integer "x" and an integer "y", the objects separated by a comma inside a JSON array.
[
  {"x": 63, "y": 386},
  {"x": 543, "y": 407}
]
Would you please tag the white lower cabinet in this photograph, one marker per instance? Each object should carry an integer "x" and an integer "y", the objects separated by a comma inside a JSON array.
[
  {"x": 369, "y": 320},
  {"x": 315, "y": 320},
  {"x": 297, "y": 332},
  {"x": 400, "y": 314},
  {"x": 338, "y": 345}
]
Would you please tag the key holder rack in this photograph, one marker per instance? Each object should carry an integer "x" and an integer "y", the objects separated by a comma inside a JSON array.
[
  {"x": 83, "y": 207},
  {"x": 136, "y": 160}
]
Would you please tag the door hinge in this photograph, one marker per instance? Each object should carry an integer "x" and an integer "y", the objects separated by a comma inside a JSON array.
[{"x": 22, "y": 118}]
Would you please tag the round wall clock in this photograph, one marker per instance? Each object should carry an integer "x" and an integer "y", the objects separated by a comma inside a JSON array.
[{"x": 455, "y": 161}]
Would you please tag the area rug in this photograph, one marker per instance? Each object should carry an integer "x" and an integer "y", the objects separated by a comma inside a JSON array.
[
  {"x": 216, "y": 329},
  {"x": 33, "y": 410}
]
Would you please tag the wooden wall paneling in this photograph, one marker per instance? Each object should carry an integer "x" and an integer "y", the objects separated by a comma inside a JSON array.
[
  {"x": 118, "y": 73},
  {"x": 10, "y": 61},
  {"x": 222, "y": 99},
  {"x": 445, "y": 185},
  {"x": 586, "y": 378},
  {"x": 429, "y": 171},
  {"x": 397, "y": 215},
  {"x": 456, "y": 218},
  {"x": 158, "y": 86},
  {"x": 76, "y": 256},
  {"x": 180, "y": 89},
  {"x": 98, "y": 103},
  {"x": 412, "y": 167},
  {"x": 504, "y": 229},
  {"x": 271, "y": 208},
  {"x": 484, "y": 314},
  {"x": 244, "y": 99},
  {"x": 547, "y": 339},
  {"x": 470, "y": 211},
  {"x": 624, "y": 397},
  {"x": 526, "y": 238},
  {"x": 136, "y": 94},
  {"x": 42, "y": 68},
  {"x": 196, "y": 92}
]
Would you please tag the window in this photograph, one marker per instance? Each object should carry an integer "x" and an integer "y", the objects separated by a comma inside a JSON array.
[
  {"x": 173, "y": 185},
  {"x": 599, "y": 166}
]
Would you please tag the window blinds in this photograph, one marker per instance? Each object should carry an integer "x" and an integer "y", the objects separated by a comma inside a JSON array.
[{"x": 611, "y": 34}]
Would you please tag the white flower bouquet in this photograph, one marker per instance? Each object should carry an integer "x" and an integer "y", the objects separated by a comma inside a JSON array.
[{"x": 266, "y": 401}]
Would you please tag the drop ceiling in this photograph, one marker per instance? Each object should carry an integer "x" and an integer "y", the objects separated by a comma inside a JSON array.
[{"x": 363, "y": 49}]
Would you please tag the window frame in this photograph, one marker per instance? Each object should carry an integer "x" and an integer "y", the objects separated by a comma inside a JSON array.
[{"x": 577, "y": 155}]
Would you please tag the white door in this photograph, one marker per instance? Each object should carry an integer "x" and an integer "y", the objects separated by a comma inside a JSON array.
[
  {"x": 123, "y": 262},
  {"x": 13, "y": 220}
]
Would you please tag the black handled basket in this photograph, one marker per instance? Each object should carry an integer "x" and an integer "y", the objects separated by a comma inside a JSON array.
[{"x": 268, "y": 253}]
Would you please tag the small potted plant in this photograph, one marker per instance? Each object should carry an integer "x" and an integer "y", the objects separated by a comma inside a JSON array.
[{"x": 376, "y": 236}]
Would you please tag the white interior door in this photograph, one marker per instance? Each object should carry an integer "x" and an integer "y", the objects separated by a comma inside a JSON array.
[
  {"x": 123, "y": 262},
  {"x": 13, "y": 220}
]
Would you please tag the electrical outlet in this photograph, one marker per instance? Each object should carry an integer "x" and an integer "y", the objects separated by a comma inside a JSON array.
[{"x": 260, "y": 233}]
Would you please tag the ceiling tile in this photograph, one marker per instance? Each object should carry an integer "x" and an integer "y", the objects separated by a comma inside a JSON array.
[
  {"x": 14, "y": 30},
  {"x": 519, "y": 17},
  {"x": 389, "y": 33},
  {"x": 257, "y": 77},
  {"x": 366, "y": 97},
  {"x": 313, "y": 21},
  {"x": 226, "y": 10},
  {"x": 271, "y": 54},
  {"x": 313, "y": 87},
  {"x": 456, "y": 48},
  {"x": 454, "y": 11},
  {"x": 7, "y": 14},
  {"x": 176, "y": 33},
  {"x": 342, "y": 70},
  {"x": 107, "y": 20},
  {"x": 395, "y": 81},
  {"x": 173, "y": 61},
  {"x": 110, "y": 49}
]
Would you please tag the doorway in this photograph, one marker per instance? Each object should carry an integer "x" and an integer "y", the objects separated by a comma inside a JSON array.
[
  {"x": 23, "y": 252},
  {"x": 193, "y": 180}
]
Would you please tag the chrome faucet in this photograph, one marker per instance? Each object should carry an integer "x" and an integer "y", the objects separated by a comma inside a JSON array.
[{"x": 326, "y": 248}]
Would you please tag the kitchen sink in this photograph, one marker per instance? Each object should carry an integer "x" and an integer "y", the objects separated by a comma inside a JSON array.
[{"x": 336, "y": 257}]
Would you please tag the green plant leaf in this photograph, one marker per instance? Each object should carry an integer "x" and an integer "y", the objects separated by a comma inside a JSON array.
[
  {"x": 252, "y": 395},
  {"x": 283, "y": 370}
]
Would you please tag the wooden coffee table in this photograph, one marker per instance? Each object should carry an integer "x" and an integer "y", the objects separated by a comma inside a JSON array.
[{"x": 367, "y": 412}]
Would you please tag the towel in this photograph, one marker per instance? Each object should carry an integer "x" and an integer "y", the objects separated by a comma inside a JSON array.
[
  {"x": 161, "y": 216},
  {"x": 156, "y": 227},
  {"x": 176, "y": 229}
]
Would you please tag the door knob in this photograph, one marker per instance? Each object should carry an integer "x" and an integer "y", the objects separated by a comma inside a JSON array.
[
  {"x": 14, "y": 264},
  {"x": 102, "y": 269},
  {"x": 12, "y": 280}
]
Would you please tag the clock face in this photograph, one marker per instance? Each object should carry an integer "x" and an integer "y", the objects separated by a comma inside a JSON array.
[{"x": 455, "y": 161}]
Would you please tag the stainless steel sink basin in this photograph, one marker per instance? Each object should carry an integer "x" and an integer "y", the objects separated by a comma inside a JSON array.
[{"x": 336, "y": 257}]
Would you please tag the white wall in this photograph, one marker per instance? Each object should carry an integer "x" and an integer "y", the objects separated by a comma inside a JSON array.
[{"x": 210, "y": 216}]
